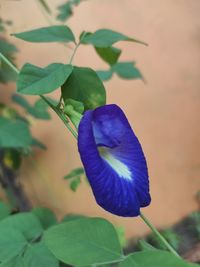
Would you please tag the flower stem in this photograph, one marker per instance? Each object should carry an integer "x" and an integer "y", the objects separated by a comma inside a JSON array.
[{"x": 159, "y": 236}]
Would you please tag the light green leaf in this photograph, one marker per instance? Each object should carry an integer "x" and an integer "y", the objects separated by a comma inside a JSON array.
[
  {"x": 84, "y": 86},
  {"x": 153, "y": 259},
  {"x": 5, "y": 210},
  {"x": 104, "y": 75},
  {"x": 27, "y": 223},
  {"x": 84, "y": 242},
  {"x": 33, "y": 80},
  {"x": 74, "y": 173},
  {"x": 143, "y": 245},
  {"x": 38, "y": 255},
  {"x": 106, "y": 38},
  {"x": 66, "y": 10},
  {"x": 109, "y": 54},
  {"x": 127, "y": 70},
  {"x": 77, "y": 106},
  {"x": 59, "y": 33},
  {"x": 12, "y": 242},
  {"x": 14, "y": 134},
  {"x": 46, "y": 217}
]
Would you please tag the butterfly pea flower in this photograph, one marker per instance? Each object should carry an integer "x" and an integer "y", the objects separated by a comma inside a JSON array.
[{"x": 114, "y": 161}]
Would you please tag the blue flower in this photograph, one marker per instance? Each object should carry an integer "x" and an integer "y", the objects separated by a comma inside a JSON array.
[{"x": 114, "y": 161}]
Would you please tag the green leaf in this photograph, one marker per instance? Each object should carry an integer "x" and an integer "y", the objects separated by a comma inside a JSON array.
[
  {"x": 5, "y": 210},
  {"x": 74, "y": 173},
  {"x": 143, "y": 245},
  {"x": 39, "y": 110},
  {"x": 121, "y": 235},
  {"x": 109, "y": 54},
  {"x": 27, "y": 223},
  {"x": 12, "y": 159},
  {"x": 46, "y": 217},
  {"x": 36, "y": 143},
  {"x": 33, "y": 80},
  {"x": 104, "y": 75},
  {"x": 38, "y": 255},
  {"x": 7, "y": 48},
  {"x": 74, "y": 184},
  {"x": 84, "y": 86},
  {"x": 106, "y": 38},
  {"x": 127, "y": 70},
  {"x": 12, "y": 242},
  {"x": 66, "y": 10},
  {"x": 153, "y": 259},
  {"x": 16, "y": 261},
  {"x": 14, "y": 134},
  {"x": 59, "y": 33},
  {"x": 71, "y": 217},
  {"x": 84, "y": 242},
  {"x": 77, "y": 106}
]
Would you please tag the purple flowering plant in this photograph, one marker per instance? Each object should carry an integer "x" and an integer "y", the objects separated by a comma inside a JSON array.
[{"x": 112, "y": 156}]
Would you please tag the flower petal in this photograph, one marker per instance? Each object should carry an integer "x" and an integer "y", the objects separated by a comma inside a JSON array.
[{"x": 114, "y": 161}]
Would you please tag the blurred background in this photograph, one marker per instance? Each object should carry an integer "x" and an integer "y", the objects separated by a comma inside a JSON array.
[{"x": 164, "y": 111}]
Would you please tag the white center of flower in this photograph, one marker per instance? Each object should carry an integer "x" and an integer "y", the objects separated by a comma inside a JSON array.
[{"x": 119, "y": 167}]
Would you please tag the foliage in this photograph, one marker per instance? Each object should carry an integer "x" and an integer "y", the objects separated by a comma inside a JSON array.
[{"x": 37, "y": 238}]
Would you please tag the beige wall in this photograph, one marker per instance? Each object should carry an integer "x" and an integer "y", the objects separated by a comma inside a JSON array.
[{"x": 164, "y": 112}]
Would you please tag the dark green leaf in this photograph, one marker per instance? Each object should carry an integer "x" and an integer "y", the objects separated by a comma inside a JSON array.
[
  {"x": 38, "y": 255},
  {"x": 33, "y": 80},
  {"x": 5, "y": 210},
  {"x": 109, "y": 54},
  {"x": 12, "y": 159},
  {"x": 7, "y": 48},
  {"x": 12, "y": 242},
  {"x": 127, "y": 70},
  {"x": 75, "y": 183},
  {"x": 104, "y": 75},
  {"x": 27, "y": 223},
  {"x": 84, "y": 86},
  {"x": 35, "y": 142},
  {"x": 46, "y": 217},
  {"x": 106, "y": 38},
  {"x": 153, "y": 259},
  {"x": 66, "y": 10},
  {"x": 14, "y": 134},
  {"x": 59, "y": 33},
  {"x": 84, "y": 242},
  {"x": 74, "y": 173}
]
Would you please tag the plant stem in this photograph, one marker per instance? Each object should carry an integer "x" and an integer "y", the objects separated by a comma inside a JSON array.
[
  {"x": 159, "y": 236},
  {"x": 61, "y": 116},
  {"x": 55, "y": 109},
  {"x": 9, "y": 63},
  {"x": 73, "y": 54}
]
